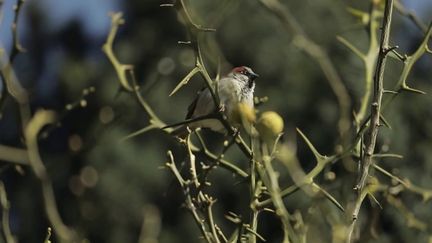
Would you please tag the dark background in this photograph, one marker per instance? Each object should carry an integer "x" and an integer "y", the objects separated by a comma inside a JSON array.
[{"x": 103, "y": 187}]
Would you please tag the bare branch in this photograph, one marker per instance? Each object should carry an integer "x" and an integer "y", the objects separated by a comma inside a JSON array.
[
  {"x": 190, "y": 205},
  {"x": 121, "y": 69},
  {"x": 350, "y": 46},
  {"x": 14, "y": 155},
  {"x": 16, "y": 46},
  {"x": 39, "y": 120},
  {"x": 185, "y": 80},
  {"x": 424, "y": 192},
  {"x": 5, "y": 215},
  {"x": 14, "y": 89},
  {"x": 375, "y": 114}
]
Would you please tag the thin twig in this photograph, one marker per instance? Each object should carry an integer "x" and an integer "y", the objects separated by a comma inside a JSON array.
[
  {"x": 321, "y": 162},
  {"x": 377, "y": 97},
  {"x": 211, "y": 222},
  {"x": 369, "y": 60},
  {"x": 191, "y": 120},
  {"x": 192, "y": 164},
  {"x": 189, "y": 201},
  {"x": 424, "y": 192},
  {"x": 16, "y": 46},
  {"x": 5, "y": 215}
]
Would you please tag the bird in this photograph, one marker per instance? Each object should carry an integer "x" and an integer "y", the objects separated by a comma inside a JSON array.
[{"x": 234, "y": 88}]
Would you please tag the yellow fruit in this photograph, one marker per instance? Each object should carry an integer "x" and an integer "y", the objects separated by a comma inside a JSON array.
[{"x": 269, "y": 126}]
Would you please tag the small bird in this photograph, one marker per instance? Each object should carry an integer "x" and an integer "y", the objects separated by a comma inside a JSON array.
[{"x": 236, "y": 87}]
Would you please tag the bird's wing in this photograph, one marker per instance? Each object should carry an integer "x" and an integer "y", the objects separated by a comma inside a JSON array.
[
  {"x": 204, "y": 104},
  {"x": 201, "y": 104}
]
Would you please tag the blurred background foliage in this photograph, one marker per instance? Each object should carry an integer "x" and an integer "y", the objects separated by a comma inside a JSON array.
[{"x": 105, "y": 189}]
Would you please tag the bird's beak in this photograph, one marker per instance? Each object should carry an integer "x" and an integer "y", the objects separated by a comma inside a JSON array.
[{"x": 253, "y": 76}]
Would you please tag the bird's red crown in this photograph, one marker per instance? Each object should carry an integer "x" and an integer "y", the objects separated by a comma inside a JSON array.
[{"x": 241, "y": 70}]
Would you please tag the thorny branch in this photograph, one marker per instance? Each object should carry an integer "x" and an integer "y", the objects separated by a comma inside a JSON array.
[
  {"x": 360, "y": 118},
  {"x": 155, "y": 122},
  {"x": 212, "y": 236},
  {"x": 32, "y": 125},
  {"x": 308, "y": 179},
  {"x": 365, "y": 125},
  {"x": 407, "y": 184},
  {"x": 125, "y": 71},
  {"x": 377, "y": 96},
  {"x": 194, "y": 29},
  {"x": 375, "y": 113}
]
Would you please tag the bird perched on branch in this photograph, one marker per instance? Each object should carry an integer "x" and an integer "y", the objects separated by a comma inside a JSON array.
[{"x": 237, "y": 87}]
